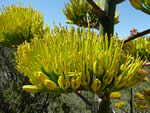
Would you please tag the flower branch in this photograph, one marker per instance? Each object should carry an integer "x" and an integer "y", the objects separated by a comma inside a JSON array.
[
  {"x": 91, "y": 26},
  {"x": 139, "y": 34},
  {"x": 119, "y": 1},
  {"x": 123, "y": 110},
  {"x": 96, "y": 10},
  {"x": 84, "y": 99}
]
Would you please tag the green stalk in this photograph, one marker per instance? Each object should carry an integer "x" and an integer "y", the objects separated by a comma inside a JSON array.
[
  {"x": 131, "y": 100},
  {"x": 107, "y": 27},
  {"x": 107, "y": 23},
  {"x": 104, "y": 106}
]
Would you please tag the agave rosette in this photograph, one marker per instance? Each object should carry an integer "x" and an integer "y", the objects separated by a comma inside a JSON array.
[
  {"x": 68, "y": 60},
  {"x": 18, "y": 24}
]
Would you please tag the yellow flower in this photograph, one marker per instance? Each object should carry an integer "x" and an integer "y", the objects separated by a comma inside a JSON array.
[
  {"x": 136, "y": 4},
  {"x": 41, "y": 77},
  {"x": 139, "y": 96},
  {"x": 141, "y": 104},
  {"x": 50, "y": 84},
  {"x": 120, "y": 104},
  {"x": 96, "y": 85},
  {"x": 142, "y": 72},
  {"x": 115, "y": 95},
  {"x": 75, "y": 82},
  {"x": 63, "y": 83},
  {"x": 31, "y": 88}
]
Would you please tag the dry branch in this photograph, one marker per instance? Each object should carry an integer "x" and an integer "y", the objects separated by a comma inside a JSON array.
[
  {"x": 96, "y": 10},
  {"x": 119, "y": 1},
  {"x": 139, "y": 34}
]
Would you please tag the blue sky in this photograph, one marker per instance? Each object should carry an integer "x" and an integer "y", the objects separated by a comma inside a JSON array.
[{"x": 52, "y": 10}]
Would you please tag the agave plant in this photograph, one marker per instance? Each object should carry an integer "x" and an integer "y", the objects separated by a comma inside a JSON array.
[
  {"x": 67, "y": 60},
  {"x": 18, "y": 24}
]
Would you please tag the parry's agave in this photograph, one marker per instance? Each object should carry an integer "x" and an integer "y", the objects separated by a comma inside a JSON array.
[
  {"x": 68, "y": 60},
  {"x": 18, "y": 24}
]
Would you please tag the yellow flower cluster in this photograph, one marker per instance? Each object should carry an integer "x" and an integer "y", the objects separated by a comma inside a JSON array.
[
  {"x": 18, "y": 24},
  {"x": 119, "y": 104},
  {"x": 141, "y": 104},
  {"x": 143, "y": 5},
  {"x": 78, "y": 12},
  {"x": 140, "y": 46},
  {"x": 67, "y": 60},
  {"x": 139, "y": 96}
]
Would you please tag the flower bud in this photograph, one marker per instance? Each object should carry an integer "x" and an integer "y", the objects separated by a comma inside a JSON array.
[
  {"x": 50, "y": 84},
  {"x": 115, "y": 95},
  {"x": 31, "y": 88},
  {"x": 96, "y": 85}
]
